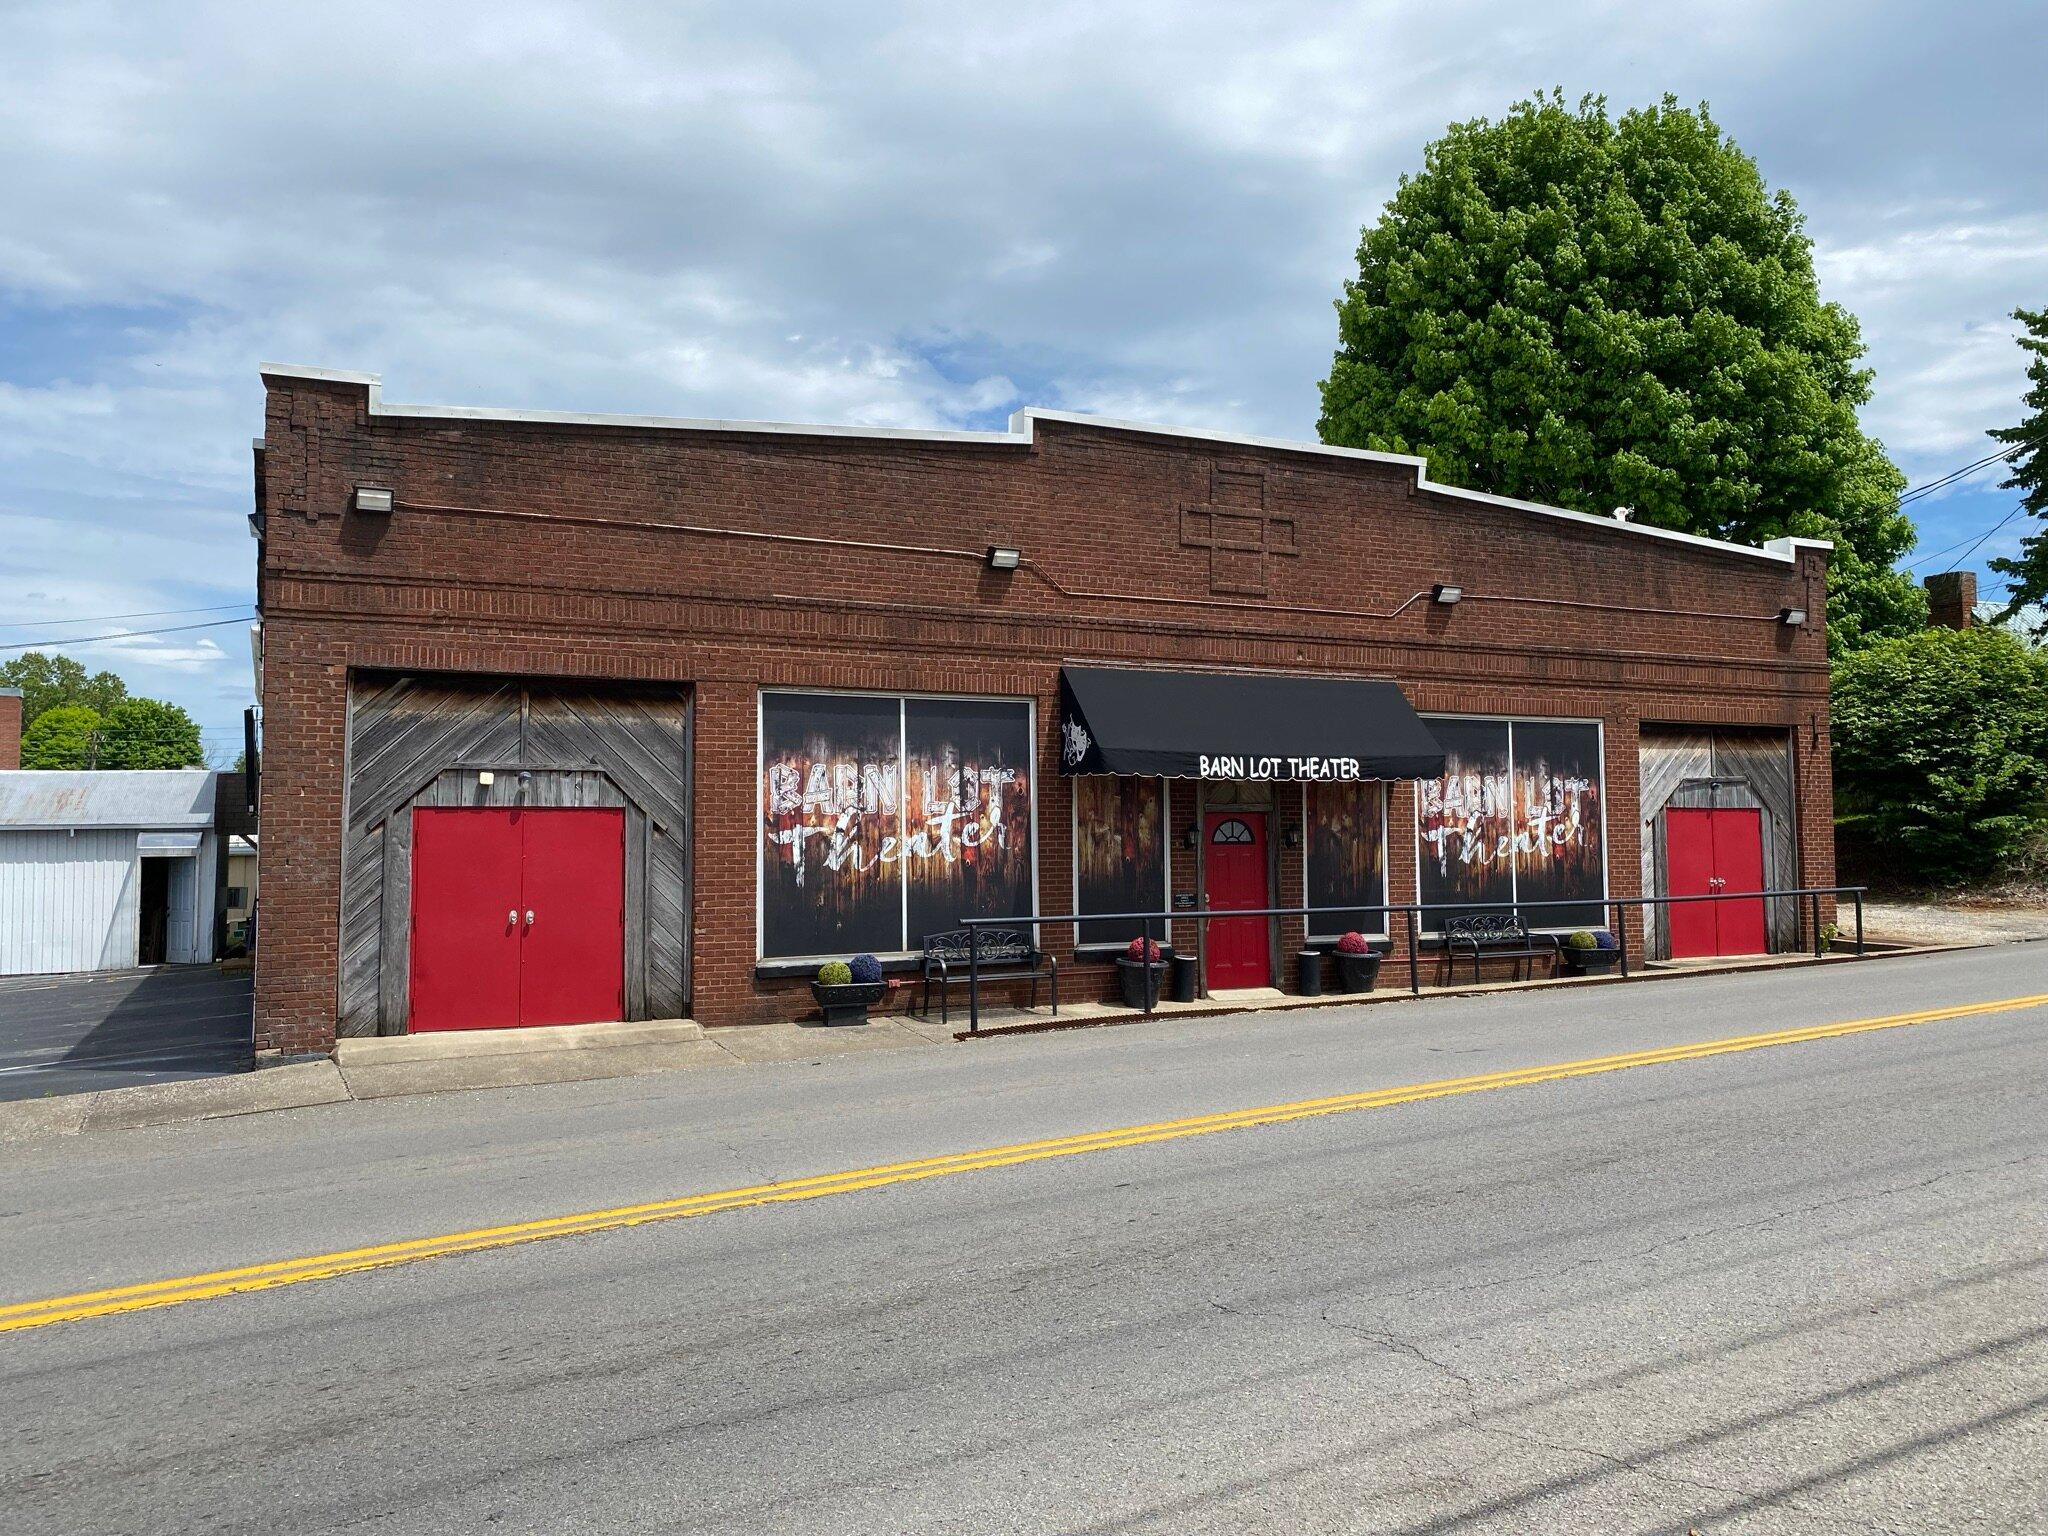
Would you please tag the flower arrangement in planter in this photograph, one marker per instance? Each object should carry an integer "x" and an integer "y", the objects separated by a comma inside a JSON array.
[
  {"x": 1358, "y": 964},
  {"x": 1590, "y": 952},
  {"x": 845, "y": 990},
  {"x": 1139, "y": 970}
]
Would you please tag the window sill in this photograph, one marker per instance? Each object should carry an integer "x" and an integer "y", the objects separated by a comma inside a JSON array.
[{"x": 807, "y": 970}]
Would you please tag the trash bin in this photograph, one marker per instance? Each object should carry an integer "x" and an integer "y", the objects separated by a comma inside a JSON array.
[
  {"x": 1184, "y": 978},
  {"x": 1308, "y": 967}
]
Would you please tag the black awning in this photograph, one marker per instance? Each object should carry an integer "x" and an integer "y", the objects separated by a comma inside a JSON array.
[{"x": 1237, "y": 725}]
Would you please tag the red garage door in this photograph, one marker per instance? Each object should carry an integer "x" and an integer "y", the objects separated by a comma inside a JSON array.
[{"x": 518, "y": 917}]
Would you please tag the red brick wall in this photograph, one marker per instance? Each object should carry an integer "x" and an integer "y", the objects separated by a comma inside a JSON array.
[
  {"x": 10, "y": 728},
  {"x": 591, "y": 552}
]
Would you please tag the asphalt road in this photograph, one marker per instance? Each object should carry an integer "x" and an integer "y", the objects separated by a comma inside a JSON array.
[
  {"x": 120, "y": 1029},
  {"x": 1793, "y": 1289}
]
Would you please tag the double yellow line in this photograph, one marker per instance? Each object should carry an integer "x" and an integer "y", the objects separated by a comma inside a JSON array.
[{"x": 322, "y": 1266}]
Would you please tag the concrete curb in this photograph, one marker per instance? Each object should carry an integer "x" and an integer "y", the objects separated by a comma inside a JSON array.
[
  {"x": 408, "y": 1065},
  {"x": 295, "y": 1085}
]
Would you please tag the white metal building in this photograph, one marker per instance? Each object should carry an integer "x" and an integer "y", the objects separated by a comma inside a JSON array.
[{"x": 105, "y": 870}]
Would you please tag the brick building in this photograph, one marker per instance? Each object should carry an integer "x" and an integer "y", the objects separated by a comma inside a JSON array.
[{"x": 589, "y": 717}]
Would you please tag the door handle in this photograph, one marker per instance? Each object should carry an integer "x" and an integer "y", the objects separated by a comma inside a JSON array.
[
  {"x": 529, "y": 917},
  {"x": 512, "y": 917}
]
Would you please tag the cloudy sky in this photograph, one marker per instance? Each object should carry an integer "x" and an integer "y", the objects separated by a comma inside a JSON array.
[{"x": 918, "y": 215}]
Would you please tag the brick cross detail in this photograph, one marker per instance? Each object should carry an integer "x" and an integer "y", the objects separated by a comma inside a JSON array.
[{"x": 1239, "y": 533}]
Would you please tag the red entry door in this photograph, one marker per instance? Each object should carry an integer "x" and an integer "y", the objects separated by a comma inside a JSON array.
[
  {"x": 572, "y": 966},
  {"x": 1240, "y": 953},
  {"x": 1706, "y": 852},
  {"x": 518, "y": 917},
  {"x": 466, "y": 912}
]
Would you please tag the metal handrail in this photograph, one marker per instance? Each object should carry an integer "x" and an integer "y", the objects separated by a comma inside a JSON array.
[{"x": 1201, "y": 917}]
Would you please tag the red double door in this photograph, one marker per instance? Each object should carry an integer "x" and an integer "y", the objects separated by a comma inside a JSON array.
[
  {"x": 1707, "y": 852},
  {"x": 518, "y": 917},
  {"x": 1239, "y": 949}
]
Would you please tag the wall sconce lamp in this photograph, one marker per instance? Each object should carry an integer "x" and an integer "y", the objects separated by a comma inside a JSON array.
[
  {"x": 1001, "y": 559},
  {"x": 1791, "y": 616},
  {"x": 1443, "y": 592},
  {"x": 1191, "y": 839},
  {"x": 374, "y": 499},
  {"x": 1291, "y": 836}
]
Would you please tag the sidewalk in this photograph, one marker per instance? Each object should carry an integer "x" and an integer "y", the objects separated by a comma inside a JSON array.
[{"x": 409, "y": 1065}]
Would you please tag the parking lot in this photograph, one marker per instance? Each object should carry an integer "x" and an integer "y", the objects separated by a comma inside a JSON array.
[{"x": 120, "y": 1029}]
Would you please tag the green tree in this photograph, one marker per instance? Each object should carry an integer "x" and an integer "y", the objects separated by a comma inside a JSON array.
[
  {"x": 49, "y": 681},
  {"x": 148, "y": 733},
  {"x": 2029, "y": 569},
  {"x": 1598, "y": 313},
  {"x": 1941, "y": 750},
  {"x": 64, "y": 737}
]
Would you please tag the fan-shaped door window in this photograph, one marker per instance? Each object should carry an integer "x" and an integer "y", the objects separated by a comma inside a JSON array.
[{"x": 1232, "y": 831}]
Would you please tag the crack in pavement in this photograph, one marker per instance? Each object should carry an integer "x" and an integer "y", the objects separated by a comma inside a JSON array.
[
  {"x": 1470, "y": 1416},
  {"x": 1713, "y": 1231}
]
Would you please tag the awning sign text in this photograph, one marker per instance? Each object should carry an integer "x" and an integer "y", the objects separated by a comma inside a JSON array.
[{"x": 1313, "y": 769}]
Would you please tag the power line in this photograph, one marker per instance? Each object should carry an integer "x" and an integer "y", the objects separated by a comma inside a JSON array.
[
  {"x": 1966, "y": 539},
  {"x": 2015, "y": 512},
  {"x": 108, "y": 618},
  {"x": 125, "y": 634},
  {"x": 1954, "y": 475}
]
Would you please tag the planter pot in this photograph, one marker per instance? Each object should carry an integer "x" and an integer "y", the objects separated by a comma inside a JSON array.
[
  {"x": 1140, "y": 982},
  {"x": 1357, "y": 973},
  {"x": 848, "y": 1004},
  {"x": 1590, "y": 962}
]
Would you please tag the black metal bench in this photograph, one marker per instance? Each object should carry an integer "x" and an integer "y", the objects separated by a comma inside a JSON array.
[
  {"x": 1494, "y": 936},
  {"x": 1001, "y": 954}
]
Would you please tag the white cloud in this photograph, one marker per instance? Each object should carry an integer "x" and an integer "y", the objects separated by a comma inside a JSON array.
[{"x": 909, "y": 215}]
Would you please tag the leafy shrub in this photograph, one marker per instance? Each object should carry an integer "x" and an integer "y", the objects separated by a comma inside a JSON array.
[
  {"x": 834, "y": 973},
  {"x": 1581, "y": 940},
  {"x": 866, "y": 969},
  {"x": 1941, "y": 752},
  {"x": 1146, "y": 950},
  {"x": 1353, "y": 944}
]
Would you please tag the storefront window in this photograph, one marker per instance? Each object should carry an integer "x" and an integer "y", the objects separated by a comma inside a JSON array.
[
  {"x": 1345, "y": 857},
  {"x": 967, "y": 812},
  {"x": 1120, "y": 853},
  {"x": 884, "y": 819},
  {"x": 1558, "y": 848},
  {"x": 1515, "y": 818}
]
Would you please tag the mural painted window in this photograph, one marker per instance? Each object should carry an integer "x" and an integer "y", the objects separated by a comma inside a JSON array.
[
  {"x": 967, "y": 812},
  {"x": 1120, "y": 853},
  {"x": 1516, "y": 817},
  {"x": 1345, "y": 858},
  {"x": 884, "y": 819},
  {"x": 1558, "y": 847}
]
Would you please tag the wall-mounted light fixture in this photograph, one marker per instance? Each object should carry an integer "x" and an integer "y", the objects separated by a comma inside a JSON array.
[
  {"x": 375, "y": 499},
  {"x": 1001, "y": 559},
  {"x": 1443, "y": 592},
  {"x": 1191, "y": 839},
  {"x": 1291, "y": 836},
  {"x": 1791, "y": 616}
]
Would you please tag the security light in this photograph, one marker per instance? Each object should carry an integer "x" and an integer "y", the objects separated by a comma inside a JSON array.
[
  {"x": 373, "y": 498},
  {"x": 1443, "y": 592},
  {"x": 1001, "y": 559},
  {"x": 1791, "y": 616}
]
